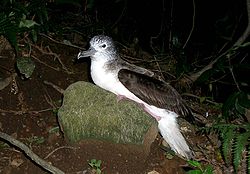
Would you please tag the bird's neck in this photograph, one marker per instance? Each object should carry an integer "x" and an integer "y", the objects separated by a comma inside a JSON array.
[{"x": 102, "y": 74}]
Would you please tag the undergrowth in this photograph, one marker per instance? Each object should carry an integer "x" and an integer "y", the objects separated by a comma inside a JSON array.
[
  {"x": 18, "y": 17},
  {"x": 234, "y": 130}
]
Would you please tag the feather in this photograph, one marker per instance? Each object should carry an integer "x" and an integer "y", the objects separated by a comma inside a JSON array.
[{"x": 154, "y": 92}]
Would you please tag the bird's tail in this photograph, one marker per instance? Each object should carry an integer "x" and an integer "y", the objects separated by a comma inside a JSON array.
[{"x": 170, "y": 131}]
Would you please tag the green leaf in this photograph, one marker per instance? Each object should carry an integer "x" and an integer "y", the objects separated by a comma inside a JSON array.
[
  {"x": 244, "y": 100},
  {"x": 12, "y": 38},
  {"x": 25, "y": 66},
  {"x": 98, "y": 163},
  {"x": 34, "y": 35},
  {"x": 208, "y": 170},
  {"x": 229, "y": 105},
  {"x": 36, "y": 140},
  {"x": 27, "y": 23},
  {"x": 245, "y": 44},
  {"x": 205, "y": 76},
  {"x": 240, "y": 145},
  {"x": 227, "y": 136},
  {"x": 9, "y": 29},
  {"x": 194, "y": 163},
  {"x": 54, "y": 130},
  {"x": 98, "y": 171},
  {"x": 194, "y": 172},
  {"x": 239, "y": 107}
]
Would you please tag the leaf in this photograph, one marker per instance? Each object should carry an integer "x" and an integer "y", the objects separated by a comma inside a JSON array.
[
  {"x": 25, "y": 66},
  {"x": 245, "y": 44},
  {"x": 8, "y": 28},
  {"x": 54, "y": 130},
  {"x": 204, "y": 77},
  {"x": 36, "y": 140},
  {"x": 5, "y": 82},
  {"x": 208, "y": 170},
  {"x": 98, "y": 163},
  {"x": 239, "y": 107},
  {"x": 244, "y": 100},
  {"x": 12, "y": 38},
  {"x": 26, "y": 23},
  {"x": 240, "y": 144},
  {"x": 98, "y": 171},
  {"x": 227, "y": 143},
  {"x": 34, "y": 35},
  {"x": 202, "y": 99},
  {"x": 194, "y": 172},
  {"x": 229, "y": 105},
  {"x": 194, "y": 163}
]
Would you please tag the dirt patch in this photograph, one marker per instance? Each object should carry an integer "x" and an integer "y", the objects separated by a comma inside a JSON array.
[{"x": 28, "y": 113}]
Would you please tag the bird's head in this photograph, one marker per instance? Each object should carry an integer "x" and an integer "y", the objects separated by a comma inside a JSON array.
[{"x": 100, "y": 46}]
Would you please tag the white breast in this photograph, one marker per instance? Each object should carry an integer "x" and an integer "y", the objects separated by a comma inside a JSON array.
[
  {"x": 110, "y": 82},
  {"x": 102, "y": 78}
]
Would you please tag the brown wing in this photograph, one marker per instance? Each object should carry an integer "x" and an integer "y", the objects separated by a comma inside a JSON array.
[{"x": 153, "y": 91}]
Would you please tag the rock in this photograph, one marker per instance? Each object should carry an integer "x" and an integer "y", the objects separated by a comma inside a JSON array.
[{"x": 89, "y": 112}]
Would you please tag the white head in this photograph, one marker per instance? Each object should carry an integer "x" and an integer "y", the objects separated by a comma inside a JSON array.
[{"x": 100, "y": 46}]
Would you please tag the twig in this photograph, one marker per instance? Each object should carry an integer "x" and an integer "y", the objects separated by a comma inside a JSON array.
[
  {"x": 56, "y": 69},
  {"x": 49, "y": 100},
  {"x": 28, "y": 112},
  {"x": 34, "y": 157},
  {"x": 161, "y": 27},
  {"x": 121, "y": 15},
  {"x": 234, "y": 79},
  {"x": 193, "y": 77},
  {"x": 246, "y": 33},
  {"x": 71, "y": 45},
  {"x": 197, "y": 97},
  {"x": 170, "y": 43},
  {"x": 192, "y": 29},
  {"x": 140, "y": 60},
  {"x": 62, "y": 147},
  {"x": 60, "y": 90},
  {"x": 157, "y": 64},
  {"x": 56, "y": 56},
  {"x": 60, "y": 61}
]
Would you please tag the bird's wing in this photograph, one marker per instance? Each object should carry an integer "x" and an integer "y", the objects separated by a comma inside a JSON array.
[{"x": 153, "y": 91}]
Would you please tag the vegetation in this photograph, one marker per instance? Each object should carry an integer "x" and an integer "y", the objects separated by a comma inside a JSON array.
[
  {"x": 222, "y": 76},
  {"x": 199, "y": 169},
  {"x": 19, "y": 18},
  {"x": 96, "y": 165}
]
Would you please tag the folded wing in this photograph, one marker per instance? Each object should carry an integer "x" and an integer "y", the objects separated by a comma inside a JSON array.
[{"x": 154, "y": 92}]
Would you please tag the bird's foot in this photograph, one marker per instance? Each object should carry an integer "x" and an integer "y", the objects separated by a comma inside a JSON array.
[
  {"x": 121, "y": 97},
  {"x": 150, "y": 113}
]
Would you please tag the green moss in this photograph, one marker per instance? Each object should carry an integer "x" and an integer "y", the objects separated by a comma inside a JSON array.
[{"x": 89, "y": 112}]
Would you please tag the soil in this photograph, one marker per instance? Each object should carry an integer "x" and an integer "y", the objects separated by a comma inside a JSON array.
[{"x": 28, "y": 113}]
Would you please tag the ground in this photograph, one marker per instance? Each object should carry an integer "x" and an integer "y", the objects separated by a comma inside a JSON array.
[{"x": 28, "y": 113}]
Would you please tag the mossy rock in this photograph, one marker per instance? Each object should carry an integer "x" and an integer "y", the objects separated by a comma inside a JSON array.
[{"x": 89, "y": 112}]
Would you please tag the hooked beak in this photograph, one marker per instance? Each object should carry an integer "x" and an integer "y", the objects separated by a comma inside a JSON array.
[{"x": 88, "y": 53}]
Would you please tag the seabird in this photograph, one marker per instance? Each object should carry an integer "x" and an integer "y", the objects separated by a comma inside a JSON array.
[{"x": 110, "y": 72}]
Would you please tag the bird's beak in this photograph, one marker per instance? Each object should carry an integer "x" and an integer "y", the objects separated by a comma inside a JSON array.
[{"x": 88, "y": 53}]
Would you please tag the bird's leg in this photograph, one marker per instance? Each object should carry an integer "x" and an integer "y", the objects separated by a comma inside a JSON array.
[
  {"x": 149, "y": 112},
  {"x": 121, "y": 97}
]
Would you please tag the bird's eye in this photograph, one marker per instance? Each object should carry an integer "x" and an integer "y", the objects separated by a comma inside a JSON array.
[{"x": 103, "y": 45}]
